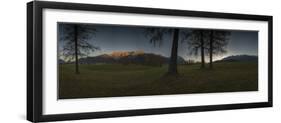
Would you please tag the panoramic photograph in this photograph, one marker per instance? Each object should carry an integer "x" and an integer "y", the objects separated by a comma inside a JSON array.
[{"x": 102, "y": 60}]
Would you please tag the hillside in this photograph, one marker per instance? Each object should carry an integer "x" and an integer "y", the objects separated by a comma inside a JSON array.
[{"x": 239, "y": 58}]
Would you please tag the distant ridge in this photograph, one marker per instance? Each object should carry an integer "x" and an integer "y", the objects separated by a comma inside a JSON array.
[
  {"x": 119, "y": 54},
  {"x": 128, "y": 57},
  {"x": 239, "y": 58}
]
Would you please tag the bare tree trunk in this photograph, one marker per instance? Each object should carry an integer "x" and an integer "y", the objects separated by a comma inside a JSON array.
[
  {"x": 211, "y": 48},
  {"x": 202, "y": 50},
  {"x": 174, "y": 54},
  {"x": 76, "y": 49}
]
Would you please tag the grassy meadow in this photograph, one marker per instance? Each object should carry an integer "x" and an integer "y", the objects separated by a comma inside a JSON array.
[{"x": 112, "y": 80}]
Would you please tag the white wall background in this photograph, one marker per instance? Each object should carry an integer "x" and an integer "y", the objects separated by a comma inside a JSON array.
[{"x": 13, "y": 61}]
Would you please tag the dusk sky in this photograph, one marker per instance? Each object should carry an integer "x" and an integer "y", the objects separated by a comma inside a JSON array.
[{"x": 130, "y": 38}]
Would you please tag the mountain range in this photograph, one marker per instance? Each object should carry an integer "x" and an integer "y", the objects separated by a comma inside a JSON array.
[
  {"x": 239, "y": 58},
  {"x": 124, "y": 57},
  {"x": 140, "y": 57}
]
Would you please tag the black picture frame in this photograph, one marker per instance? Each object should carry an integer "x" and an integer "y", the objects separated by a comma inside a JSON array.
[{"x": 34, "y": 60}]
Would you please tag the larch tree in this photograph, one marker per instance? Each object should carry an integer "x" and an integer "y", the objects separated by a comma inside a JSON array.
[
  {"x": 218, "y": 41},
  {"x": 156, "y": 36},
  {"x": 75, "y": 38},
  {"x": 196, "y": 41}
]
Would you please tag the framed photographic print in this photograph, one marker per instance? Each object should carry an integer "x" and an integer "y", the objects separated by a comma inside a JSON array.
[{"x": 96, "y": 61}]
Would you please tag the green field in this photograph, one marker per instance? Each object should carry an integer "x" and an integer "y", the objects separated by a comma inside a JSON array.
[{"x": 111, "y": 80}]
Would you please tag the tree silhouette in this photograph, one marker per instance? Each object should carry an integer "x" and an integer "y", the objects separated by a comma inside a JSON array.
[
  {"x": 76, "y": 45},
  {"x": 218, "y": 40},
  {"x": 196, "y": 39},
  {"x": 156, "y": 35}
]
